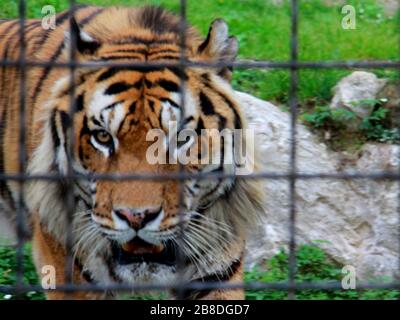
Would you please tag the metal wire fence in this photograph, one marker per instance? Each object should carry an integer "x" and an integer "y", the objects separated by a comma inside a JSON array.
[{"x": 292, "y": 176}]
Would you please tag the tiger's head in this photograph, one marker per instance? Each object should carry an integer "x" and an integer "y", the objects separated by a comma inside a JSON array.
[{"x": 123, "y": 124}]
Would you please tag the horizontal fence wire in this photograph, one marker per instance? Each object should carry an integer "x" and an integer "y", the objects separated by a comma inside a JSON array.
[
  {"x": 292, "y": 175},
  {"x": 242, "y": 64},
  {"x": 381, "y": 175},
  {"x": 198, "y": 285}
]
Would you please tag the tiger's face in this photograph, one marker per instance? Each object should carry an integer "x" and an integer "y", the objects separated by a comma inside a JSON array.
[
  {"x": 118, "y": 114},
  {"x": 119, "y": 111}
]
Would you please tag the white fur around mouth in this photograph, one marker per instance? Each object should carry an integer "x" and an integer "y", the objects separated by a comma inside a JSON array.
[{"x": 138, "y": 273}]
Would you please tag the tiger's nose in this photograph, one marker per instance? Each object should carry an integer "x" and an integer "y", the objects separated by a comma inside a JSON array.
[{"x": 138, "y": 218}]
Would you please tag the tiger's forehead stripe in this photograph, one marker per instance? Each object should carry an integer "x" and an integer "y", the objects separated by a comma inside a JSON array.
[
  {"x": 159, "y": 85},
  {"x": 141, "y": 54}
]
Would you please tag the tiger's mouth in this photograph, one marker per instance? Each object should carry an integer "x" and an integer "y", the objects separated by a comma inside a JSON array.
[{"x": 140, "y": 251}]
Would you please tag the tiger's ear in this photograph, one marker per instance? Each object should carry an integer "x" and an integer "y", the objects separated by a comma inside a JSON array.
[
  {"x": 84, "y": 43},
  {"x": 220, "y": 47}
]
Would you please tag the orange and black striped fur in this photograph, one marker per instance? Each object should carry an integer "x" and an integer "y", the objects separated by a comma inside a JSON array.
[{"x": 125, "y": 232}]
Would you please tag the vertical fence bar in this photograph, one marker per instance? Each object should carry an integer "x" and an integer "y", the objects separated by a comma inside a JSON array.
[
  {"x": 182, "y": 59},
  {"x": 293, "y": 119},
  {"x": 70, "y": 147},
  {"x": 22, "y": 145},
  {"x": 398, "y": 167}
]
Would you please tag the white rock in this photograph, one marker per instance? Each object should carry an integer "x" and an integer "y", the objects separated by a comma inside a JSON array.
[
  {"x": 391, "y": 7},
  {"x": 358, "y": 218},
  {"x": 358, "y": 86}
]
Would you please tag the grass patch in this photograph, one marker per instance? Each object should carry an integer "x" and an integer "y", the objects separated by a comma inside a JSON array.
[
  {"x": 263, "y": 30},
  {"x": 312, "y": 265},
  {"x": 8, "y": 266},
  {"x": 336, "y": 126}
]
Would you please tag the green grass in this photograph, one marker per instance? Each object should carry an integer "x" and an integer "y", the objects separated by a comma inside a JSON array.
[
  {"x": 345, "y": 132},
  {"x": 263, "y": 32},
  {"x": 313, "y": 265},
  {"x": 8, "y": 266}
]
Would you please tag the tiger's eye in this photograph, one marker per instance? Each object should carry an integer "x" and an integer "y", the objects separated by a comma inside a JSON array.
[{"x": 103, "y": 137}]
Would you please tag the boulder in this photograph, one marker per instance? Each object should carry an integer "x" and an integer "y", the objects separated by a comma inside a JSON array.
[
  {"x": 355, "y": 222},
  {"x": 353, "y": 89},
  {"x": 390, "y": 7}
]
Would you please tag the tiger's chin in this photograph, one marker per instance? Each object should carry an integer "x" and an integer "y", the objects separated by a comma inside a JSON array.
[
  {"x": 140, "y": 262},
  {"x": 146, "y": 273}
]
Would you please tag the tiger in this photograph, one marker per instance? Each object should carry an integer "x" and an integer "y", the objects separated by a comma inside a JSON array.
[{"x": 129, "y": 231}]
